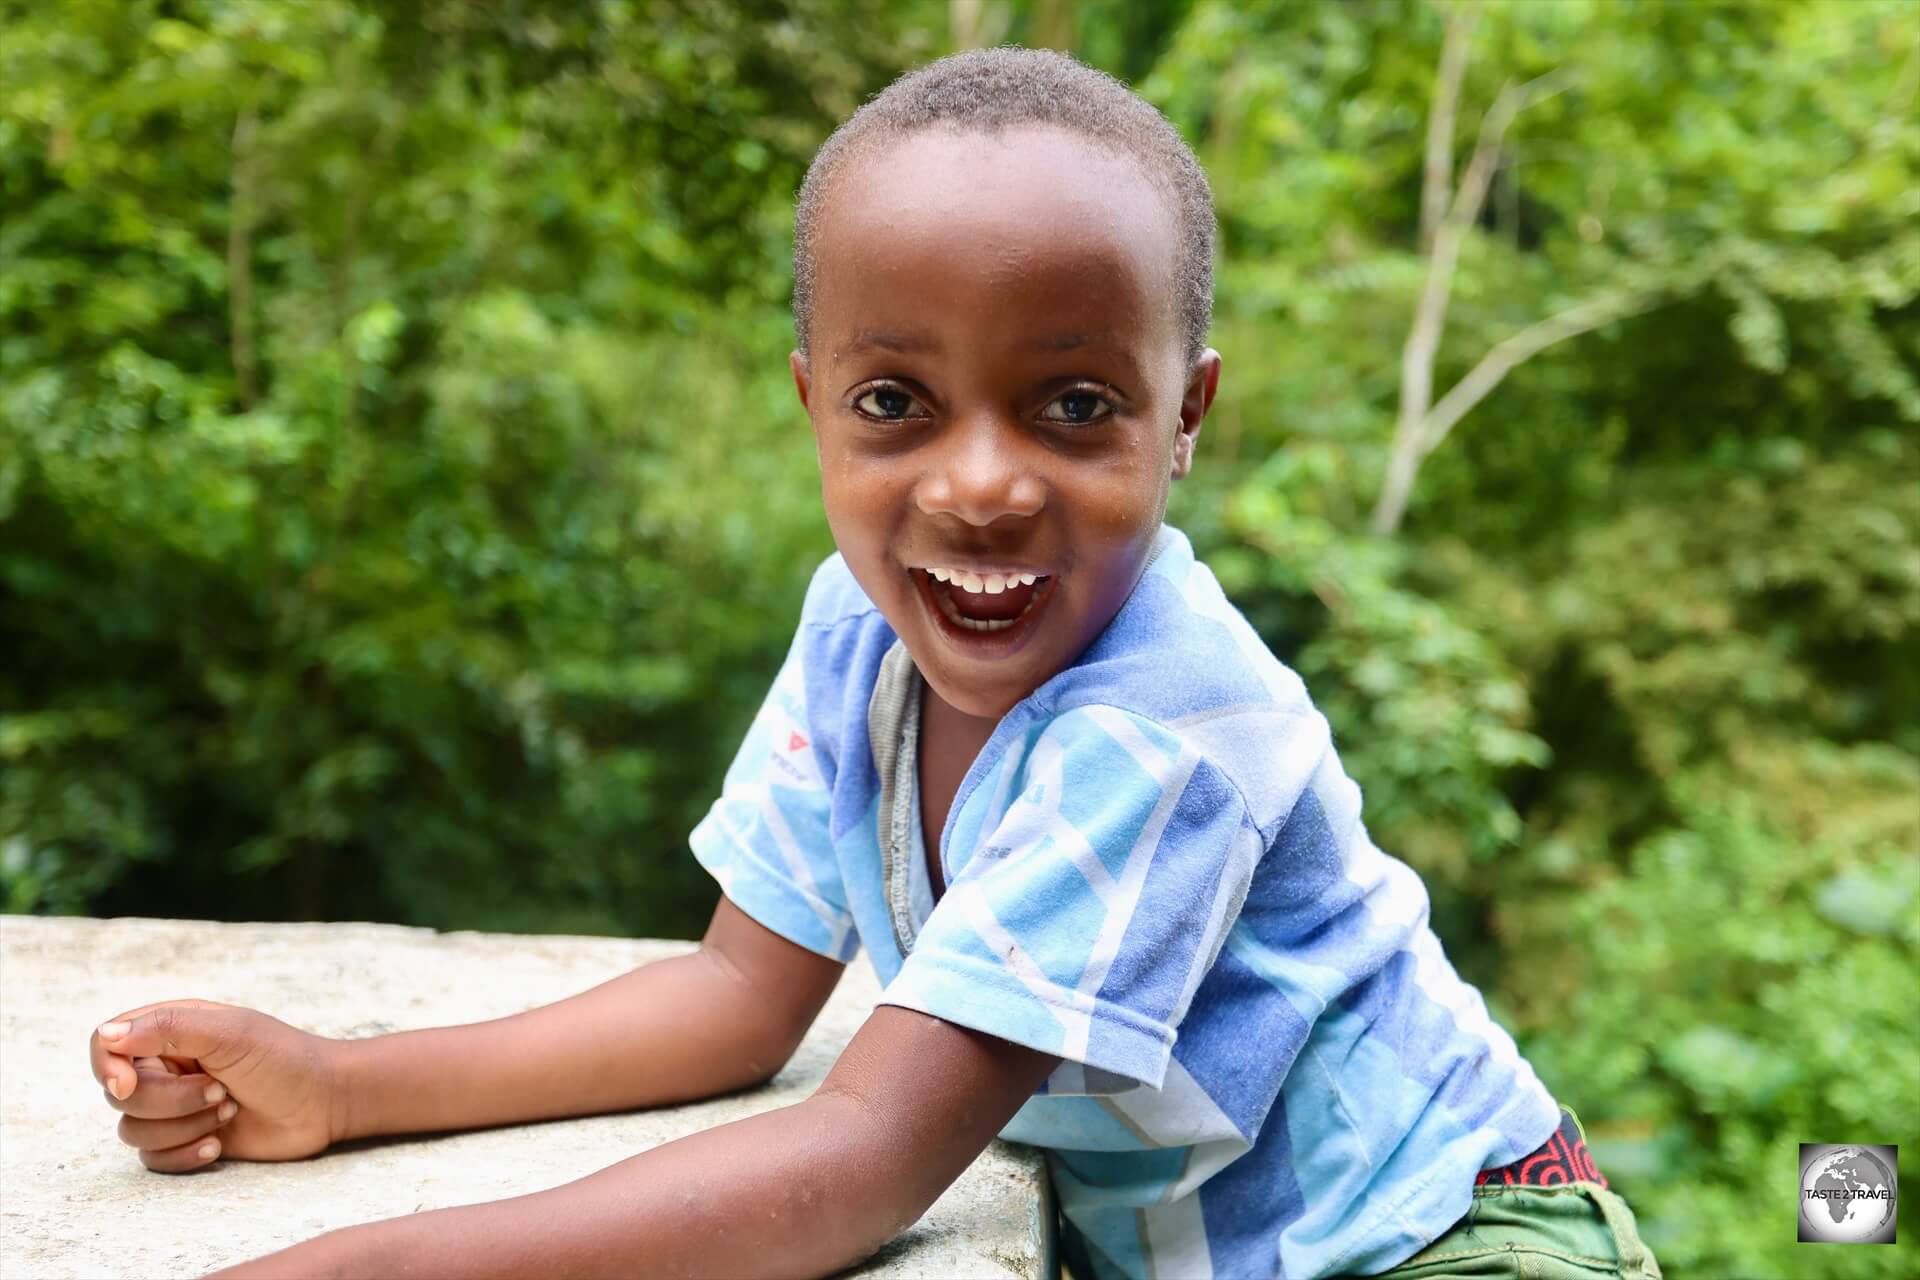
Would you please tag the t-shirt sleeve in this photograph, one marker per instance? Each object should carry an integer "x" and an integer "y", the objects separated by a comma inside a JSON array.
[
  {"x": 1093, "y": 905},
  {"x": 767, "y": 839}
]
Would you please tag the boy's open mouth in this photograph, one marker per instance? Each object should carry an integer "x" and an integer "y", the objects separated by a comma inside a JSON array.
[{"x": 978, "y": 607}]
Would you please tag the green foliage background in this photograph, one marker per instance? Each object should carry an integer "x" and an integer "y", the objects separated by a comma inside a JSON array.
[{"x": 403, "y": 504}]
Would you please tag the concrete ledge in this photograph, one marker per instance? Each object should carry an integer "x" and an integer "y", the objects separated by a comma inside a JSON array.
[{"x": 78, "y": 1204}]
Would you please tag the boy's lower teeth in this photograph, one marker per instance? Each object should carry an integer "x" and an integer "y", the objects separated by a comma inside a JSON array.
[
  {"x": 951, "y": 611},
  {"x": 972, "y": 625}
]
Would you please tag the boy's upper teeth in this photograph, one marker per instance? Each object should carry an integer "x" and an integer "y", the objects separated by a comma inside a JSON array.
[{"x": 990, "y": 583}]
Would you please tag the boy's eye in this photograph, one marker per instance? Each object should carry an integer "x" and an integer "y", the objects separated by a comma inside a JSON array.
[
  {"x": 1077, "y": 408},
  {"x": 889, "y": 404}
]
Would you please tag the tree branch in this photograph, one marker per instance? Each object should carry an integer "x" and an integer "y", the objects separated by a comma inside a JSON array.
[
  {"x": 1513, "y": 351},
  {"x": 1430, "y": 313},
  {"x": 1512, "y": 100},
  {"x": 1437, "y": 181}
]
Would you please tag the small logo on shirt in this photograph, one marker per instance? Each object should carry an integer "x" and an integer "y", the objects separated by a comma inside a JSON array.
[
  {"x": 788, "y": 758},
  {"x": 1848, "y": 1193}
]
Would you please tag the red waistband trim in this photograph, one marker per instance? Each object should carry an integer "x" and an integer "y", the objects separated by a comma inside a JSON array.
[{"x": 1562, "y": 1159}]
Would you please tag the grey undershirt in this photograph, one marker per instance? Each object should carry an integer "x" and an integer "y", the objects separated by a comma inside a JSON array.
[{"x": 893, "y": 728}]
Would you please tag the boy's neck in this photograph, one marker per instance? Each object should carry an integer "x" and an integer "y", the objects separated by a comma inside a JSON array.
[{"x": 950, "y": 739}]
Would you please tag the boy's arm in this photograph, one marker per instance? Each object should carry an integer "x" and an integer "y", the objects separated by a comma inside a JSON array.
[
  {"x": 720, "y": 1018},
  {"x": 801, "y": 1191}
]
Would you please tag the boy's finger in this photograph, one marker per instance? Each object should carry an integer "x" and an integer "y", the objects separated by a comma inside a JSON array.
[
  {"x": 184, "y": 1158},
  {"x": 161, "y": 1096},
  {"x": 181, "y": 1031},
  {"x": 115, "y": 1073},
  {"x": 111, "y": 1067},
  {"x": 158, "y": 1135}
]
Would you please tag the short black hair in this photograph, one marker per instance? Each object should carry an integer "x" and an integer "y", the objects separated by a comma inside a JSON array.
[{"x": 989, "y": 90}]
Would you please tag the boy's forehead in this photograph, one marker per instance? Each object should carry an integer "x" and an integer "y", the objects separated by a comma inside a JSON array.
[{"x": 1015, "y": 213}]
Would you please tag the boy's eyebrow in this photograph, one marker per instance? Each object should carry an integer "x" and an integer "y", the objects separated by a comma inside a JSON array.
[
  {"x": 1074, "y": 341},
  {"x": 1110, "y": 343},
  {"x": 899, "y": 343},
  {"x": 907, "y": 342}
]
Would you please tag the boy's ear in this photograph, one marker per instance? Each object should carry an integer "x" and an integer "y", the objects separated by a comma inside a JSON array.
[
  {"x": 1203, "y": 380},
  {"x": 802, "y": 376}
]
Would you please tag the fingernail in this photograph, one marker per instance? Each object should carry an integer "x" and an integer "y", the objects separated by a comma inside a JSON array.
[
  {"x": 228, "y": 1110},
  {"x": 113, "y": 1030},
  {"x": 215, "y": 1092},
  {"x": 114, "y": 1087},
  {"x": 209, "y": 1149}
]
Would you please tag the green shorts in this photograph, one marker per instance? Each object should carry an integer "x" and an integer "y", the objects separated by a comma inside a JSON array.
[
  {"x": 1580, "y": 1231},
  {"x": 1573, "y": 1230}
]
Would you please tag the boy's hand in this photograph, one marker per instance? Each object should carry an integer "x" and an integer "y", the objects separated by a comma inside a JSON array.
[{"x": 196, "y": 1080}]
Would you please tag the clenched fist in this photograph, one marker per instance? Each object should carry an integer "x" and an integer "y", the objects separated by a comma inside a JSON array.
[{"x": 194, "y": 1080}]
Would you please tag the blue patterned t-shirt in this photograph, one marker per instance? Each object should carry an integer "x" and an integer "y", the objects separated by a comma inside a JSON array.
[{"x": 1157, "y": 871}]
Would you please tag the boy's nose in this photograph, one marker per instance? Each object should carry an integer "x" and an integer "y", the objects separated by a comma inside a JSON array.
[{"x": 979, "y": 475}]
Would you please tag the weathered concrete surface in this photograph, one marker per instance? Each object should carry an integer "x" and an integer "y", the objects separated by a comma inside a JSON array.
[{"x": 76, "y": 1203}]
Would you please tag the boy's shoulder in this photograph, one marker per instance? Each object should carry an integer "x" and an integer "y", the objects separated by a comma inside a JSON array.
[{"x": 1186, "y": 666}]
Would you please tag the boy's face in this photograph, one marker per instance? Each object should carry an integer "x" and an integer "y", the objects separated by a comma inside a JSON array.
[{"x": 998, "y": 387}]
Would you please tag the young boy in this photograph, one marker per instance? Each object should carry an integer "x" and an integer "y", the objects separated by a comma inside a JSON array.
[{"x": 1091, "y": 831}]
